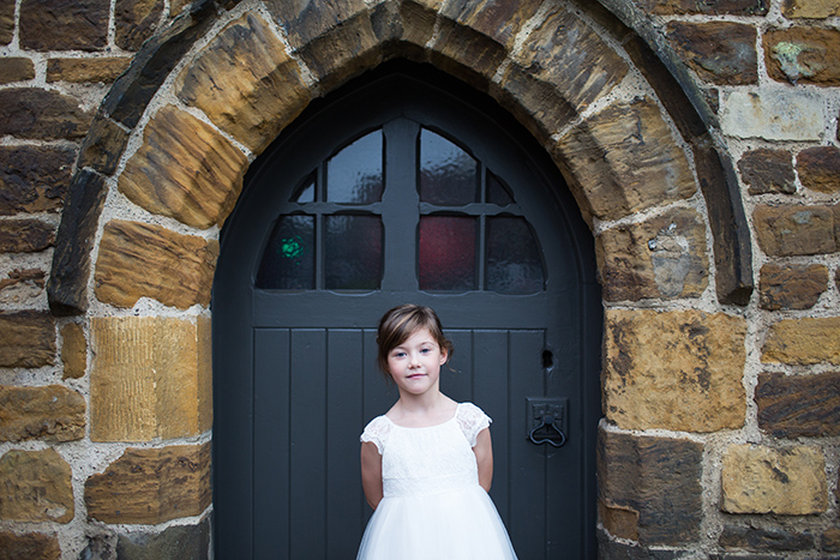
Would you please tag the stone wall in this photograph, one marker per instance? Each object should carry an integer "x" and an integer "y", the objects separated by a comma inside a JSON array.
[{"x": 722, "y": 417}]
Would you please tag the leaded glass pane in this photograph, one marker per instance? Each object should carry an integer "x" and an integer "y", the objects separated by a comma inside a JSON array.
[
  {"x": 448, "y": 174},
  {"x": 513, "y": 261},
  {"x": 447, "y": 259},
  {"x": 497, "y": 192},
  {"x": 289, "y": 258},
  {"x": 354, "y": 174},
  {"x": 353, "y": 252},
  {"x": 306, "y": 192}
]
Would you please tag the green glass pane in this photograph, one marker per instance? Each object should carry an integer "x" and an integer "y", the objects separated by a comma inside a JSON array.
[
  {"x": 448, "y": 174},
  {"x": 354, "y": 175},
  {"x": 289, "y": 258},
  {"x": 353, "y": 252},
  {"x": 447, "y": 259},
  {"x": 514, "y": 263}
]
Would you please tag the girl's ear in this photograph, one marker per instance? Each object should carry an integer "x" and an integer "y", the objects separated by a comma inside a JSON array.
[{"x": 444, "y": 355}]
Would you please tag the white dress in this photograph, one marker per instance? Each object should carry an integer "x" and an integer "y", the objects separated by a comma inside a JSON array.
[{"x": 432, "y": 505}]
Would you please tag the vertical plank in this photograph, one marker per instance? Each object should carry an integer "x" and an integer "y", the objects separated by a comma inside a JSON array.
[{"x": 457, "y": 384}]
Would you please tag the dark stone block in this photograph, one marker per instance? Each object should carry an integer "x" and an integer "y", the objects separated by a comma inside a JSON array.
[
  {"x": 28, "y": 339},
  {"x": 135, "y": 21},
  {"x": 29, "y": 545},
  {"x": 185, "y": 542},
  {"x": 768, "y": 171},
  {"x": 103, "y": 145},
  {"x": 41, "y": 115},
  {"x": 819, "y": 169},
  {"x": 7, "y": 21},
  {"x": 611, "y": 550},
  {"x": 763, "y": 540},
  {"x": 720, "y": 52},
  {"x": 60, "y": 25},
  {"x": 16, "y": 70},
  {"x": 708, "y": 7},
  {"x": 305, "y": 21},
  {"x": 33, "y": 178},
  {"x": 799, "y": 405},
  {"x": 791, "y": 287},
  {"x": 26, "y": 235}
]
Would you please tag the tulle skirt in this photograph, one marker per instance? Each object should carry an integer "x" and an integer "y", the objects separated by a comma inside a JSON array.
[{"x": 453, "y": 525}]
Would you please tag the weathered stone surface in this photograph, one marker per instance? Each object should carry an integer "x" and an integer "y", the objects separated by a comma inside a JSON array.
[
  {"x": 73, "y": 351},
  {"x": 792, "y": 286},
  {"x": 151, "y": 485},
  {"x": 720, "y": 52},
  {"x": 803, "y": 55},
  {"x": 788, "y": 230},
  {"x": 799, "y": 405},
  {"x": 620, "y": 521},
  {"x": 501, "y": 21},
  {"x": 33, "y": 178},
  {"x": 102, "y": 70},
  {"x": 811, "y": 9},
  {"x": 52, "y": 413},
  {"x": 657, "y": 479},
  {"x": 36, "y": 487},
  {"x": 7, "y": 21},
  {"x": 644, "y": 165},
  {"x": 803, "y": 341},
  {"x": 28, "y": 339},
  {"x": 713, "y": 7},
  {"x": 674, "y": 370},
  {"x": 616, "y": 550},
  {"x": 303, "y": 22},
  {"x": 63, "y": 25},
  {"x": 761, "y": 540},
  {"x": 144, "y": 260},
  {"x": 789, "y": 481},
  {"x": 185, "y": 542},
  {"x": 28, "y": 545},
  {"x": 819, "y": 169},
  {"x": 135, "y": 21},
  {"x": 26, "y": 235},
  {"x": 768, "y": 171},
  {"x": 784, "y": 114},
  {"x": 39, "y": 114},
  {"x": 664, "y": 257},
  {"x": 185, "y": 169},
  {"x": 831, "y": 540},
  {"x": 103, "y": 146},
  {"x": 150, "y": 378},
  {"x": 16, "y": 70},
  {"x": 21, "y": 288},
  {"x": 246, "y": 83}
]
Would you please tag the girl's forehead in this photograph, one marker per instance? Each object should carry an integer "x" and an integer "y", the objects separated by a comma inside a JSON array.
[{"x": 419, "y": 336}]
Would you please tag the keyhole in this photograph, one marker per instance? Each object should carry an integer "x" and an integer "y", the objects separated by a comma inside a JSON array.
[{"x": 547, "y": 359}]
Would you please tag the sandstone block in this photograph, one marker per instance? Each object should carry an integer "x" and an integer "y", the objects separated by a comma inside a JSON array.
[
  {"x": 819, "y": 169},
  {"x": 773, "y": 115},
  {"x": 718, "y": 7},
  {"x": 73, "y": 351},
  {"x": 16, "y": 70},
  {"x": 656, "y": 480},
  {"x": 767, "y": 171},
  {"x": 63, "y": 25},
  {"x": 137, "y": 260},
  {"x": 799, "y": 405},
  {"x": 720, "y": 52},
  {"x": 92, "y": 70},
  {"x": 7, "y": 21},
  {"x": 36, "y": 487},
  {"x": 758, "y": 479},
  {"x": 791, "y": 287},
  {"x": 246, "y": 83},
  {"x": 664, "y": 257},
  {"x": 33, "y": 178},
  {"x": 53, "y": 413},
  {"x": 135, "y": 21},
  {"x": 620, "y": 521},
  {"x": 788, "y": 230},
  {"x": 151, "y": 486},
  {"x": 26, "y": 235},
  {"x": 803, "y": 55},
  {"x": 831, "y": 540},
  {"x": 501, "y": 21},
  {"x": 38, "y": 114},
  {"x": 185, "y": 542},
  {"x": 29, "y": 545},
  {"x": 305, "y": 22},
  {"x": 103, "y": 145},
  {"x": 150, "y": 378},
  {"x": 674, "y": 370},
  {"x": 28, "y": 339},
  {"x": 810, "y": 9},
  {"x": 22, "y": 288},
  {"x": 645, "y": 167},
  {"x": 804, "y": 341},
  {"x": 762, "y": 540},
  {"x": 185, "y": 169}
]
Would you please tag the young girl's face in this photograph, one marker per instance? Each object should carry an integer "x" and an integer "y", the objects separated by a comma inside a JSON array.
[{"x": 415, "y": 364}]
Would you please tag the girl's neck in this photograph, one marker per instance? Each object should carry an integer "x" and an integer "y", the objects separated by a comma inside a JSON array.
[{"x": 422, "y": 410}]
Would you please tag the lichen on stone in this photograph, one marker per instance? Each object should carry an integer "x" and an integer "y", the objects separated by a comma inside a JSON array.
[{"x": 788, "y": 54}]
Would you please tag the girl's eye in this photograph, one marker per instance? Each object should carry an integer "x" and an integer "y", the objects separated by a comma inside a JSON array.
[
  {"x": 398, "y": 354},
  {"x": 425, "y": 350}
]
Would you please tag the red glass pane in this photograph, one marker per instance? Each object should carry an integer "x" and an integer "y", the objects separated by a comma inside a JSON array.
[{"x": 447, "y": 253}]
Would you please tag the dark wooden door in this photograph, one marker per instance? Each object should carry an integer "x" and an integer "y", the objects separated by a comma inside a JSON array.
[{"x": 402, "y": 187}]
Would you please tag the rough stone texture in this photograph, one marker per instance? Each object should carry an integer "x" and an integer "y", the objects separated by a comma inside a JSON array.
[
  {"x": 768, "y": 171},
  {"x": 53, "y": 413},
  {"x": 103, "y": 145},
  {"x": 644, "y": 166},
  {"x": 799, "y": 405},
  {"x": 616, "y": 550},
  {"x": 33, "y": 178},
  {"x": 804, "y": 341},
  {"x": 73, "y": 351},
  {"x": 710, "y": 7},
  {"x": 803, "y": 55},
  {"x": 63, "y": 25},
  {"x": 620, "y": 521},
  {"x": 38, "y": 114},
  {"x": 657, "y": 479},
  {"x": 774, "y": 115},
  {"x": 664, "y": 257},
  {"x": 185, "y": 542},
  {"x": 722, "y": 53},
  {"x": 762, "y": 540},
  {"x": 811, "y": 9},
  {"x": 819, "y": 169},
  {"x": 22, "y": 287},
  {"x": 792, "y": 286},
  {"x": 36, "y": 487},
  {"x": 28, "y": 545},
  {"x": 16, "y": 70},
  {"x": 144, "y": 260},
  {"x": 150, "y": 378},
  {"x": 135, "y": 21},
  {"x": 246, "y": 83},
  {"x": 185, "y": 169},
  {"x": 788, "y": 230},
  {"x": 304, "y": 21},
  {"x": 28, "y": 339},
  {"x": 151, "y": 486},
  {"x": 789, "y": 481},
  {"x": 7, "y": 21},
  {"x": 677, "y": 370},
  {"x": 499, "y": 20},
  {"x": 26, "y": 235},
  {"x": 831, "y": 540},
  {"x": 102, "y": 70}
]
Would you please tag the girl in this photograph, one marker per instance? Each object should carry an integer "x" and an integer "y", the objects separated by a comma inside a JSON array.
[{"x": 427, "y": 463}]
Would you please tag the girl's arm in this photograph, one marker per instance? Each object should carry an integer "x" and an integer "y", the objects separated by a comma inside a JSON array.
[
  {"x": 483, "y": 450},
  {"x": 371, "y": 473}
]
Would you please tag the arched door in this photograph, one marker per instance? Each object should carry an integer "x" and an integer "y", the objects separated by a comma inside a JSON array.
[{"x": 403, "y": 187}]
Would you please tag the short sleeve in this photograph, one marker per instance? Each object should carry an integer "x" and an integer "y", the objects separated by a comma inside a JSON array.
[
  {"x": 376, "y": 432},
  {"x": 472, "y": 420}
]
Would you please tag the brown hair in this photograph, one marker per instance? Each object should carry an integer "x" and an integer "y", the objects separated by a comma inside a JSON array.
[{"x": 399, "y": 323}]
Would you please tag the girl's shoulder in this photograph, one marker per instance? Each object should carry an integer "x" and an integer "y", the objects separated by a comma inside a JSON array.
[
  {"x": 376, "y": 432},
  {"x": 472, "y": 420}
]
